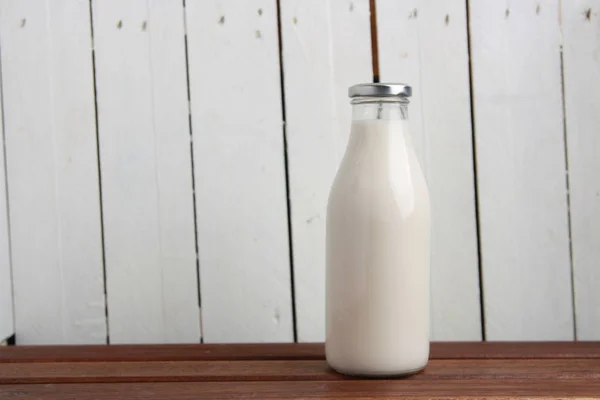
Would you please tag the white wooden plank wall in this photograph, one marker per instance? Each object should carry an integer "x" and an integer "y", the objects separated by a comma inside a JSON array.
[
  {"x": 52, "y": 171},
  {"x": 425, "y": 44},
  {"x": 7, "y": 328},
  {"x": 147, "y": 197},
  {"x": 521, "y": 169},
  {"x": 581, "y": 48},
  {"x": 239, "y": 171},
  {"x": 326, "y": 48},
  {"x": 221, "y": 142}
]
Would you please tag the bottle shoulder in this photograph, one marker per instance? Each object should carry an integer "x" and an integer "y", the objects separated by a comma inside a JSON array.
[{"x": 378, "y": 194}]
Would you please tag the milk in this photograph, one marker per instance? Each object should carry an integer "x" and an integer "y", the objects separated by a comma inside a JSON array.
[{"x": 378, "y": 223}]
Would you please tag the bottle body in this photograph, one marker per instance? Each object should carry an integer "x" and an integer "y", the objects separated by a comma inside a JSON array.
[{"x": 378, "y": 227}]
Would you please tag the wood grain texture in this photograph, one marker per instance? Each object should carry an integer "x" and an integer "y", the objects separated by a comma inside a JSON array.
[
  {"x": 239, "y": 171},
  {"x": 146, "y": 171},
  {"x": 287, "y": 351},
  {"x": 521, "y": 170},
  {"x": 325, "y": 49},
  {"x": 425, "y": 45},
  {"x": 531, "y": 370},
  {"x": 52, "y": 171},
  {"x": 581, "y": 36},
  {"x": 7, "y": 327},
  {"x": 286, "y": 370},
  {"x": 353, "y": 389}
]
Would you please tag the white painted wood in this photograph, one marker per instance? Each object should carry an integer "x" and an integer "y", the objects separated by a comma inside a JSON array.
[
  {"x": 424, "y": 43},
  {"x": 52, "y": 171},
  {"x": 146, "y": 171},
  {"x": 326, "y": 48},
  {"x": 239, "y": 171},
  {"x": 521, "y": 169},
  {"x": 581, "y": 35},
  {"x": 7, "y": 327}
]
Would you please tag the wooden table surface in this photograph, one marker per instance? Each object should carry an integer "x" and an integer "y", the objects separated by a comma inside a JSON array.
[{"x": 292, "y": 371}]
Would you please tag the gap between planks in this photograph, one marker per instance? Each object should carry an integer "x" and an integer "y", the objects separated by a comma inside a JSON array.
[
  {"x": 361, "y": 389},
  {"x": 287, "y": 351},
  {"x": 285, "y": 370}
]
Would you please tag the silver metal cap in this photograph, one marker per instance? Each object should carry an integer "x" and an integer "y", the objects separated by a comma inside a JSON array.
[{"x": 380, "y": 90}]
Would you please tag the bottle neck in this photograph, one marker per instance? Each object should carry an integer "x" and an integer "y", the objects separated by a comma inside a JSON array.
[{"x": 379, "y": 108}]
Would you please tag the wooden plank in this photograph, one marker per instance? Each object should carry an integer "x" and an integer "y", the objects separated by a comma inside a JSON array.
[
  {"x": 288, "y": 351},
  {"x": 425, "y": 44},
  {"x": 356, "y": 389},
  {"x": 326, "y": 48},
  {"x": 239, "y": 171},
  {"x": 582, "y": 94},
  {"x": 171, "y": 352},
  {"x": 521, "y": 170},
  {"x": 287, "y": 370},
  {"x": 7, "y": 327},
  {"x": 146, "y": 171},
  {"x": 52, "y": 171}
]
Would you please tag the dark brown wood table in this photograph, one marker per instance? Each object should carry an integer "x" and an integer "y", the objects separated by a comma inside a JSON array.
[{"x": 293, "y": 371}]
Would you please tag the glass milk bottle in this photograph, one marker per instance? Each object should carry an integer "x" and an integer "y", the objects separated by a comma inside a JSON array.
[{"x": 378, "y": 243}]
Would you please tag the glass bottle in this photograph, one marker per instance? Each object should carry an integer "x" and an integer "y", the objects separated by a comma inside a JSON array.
[{"x": 378, "y": 228}]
